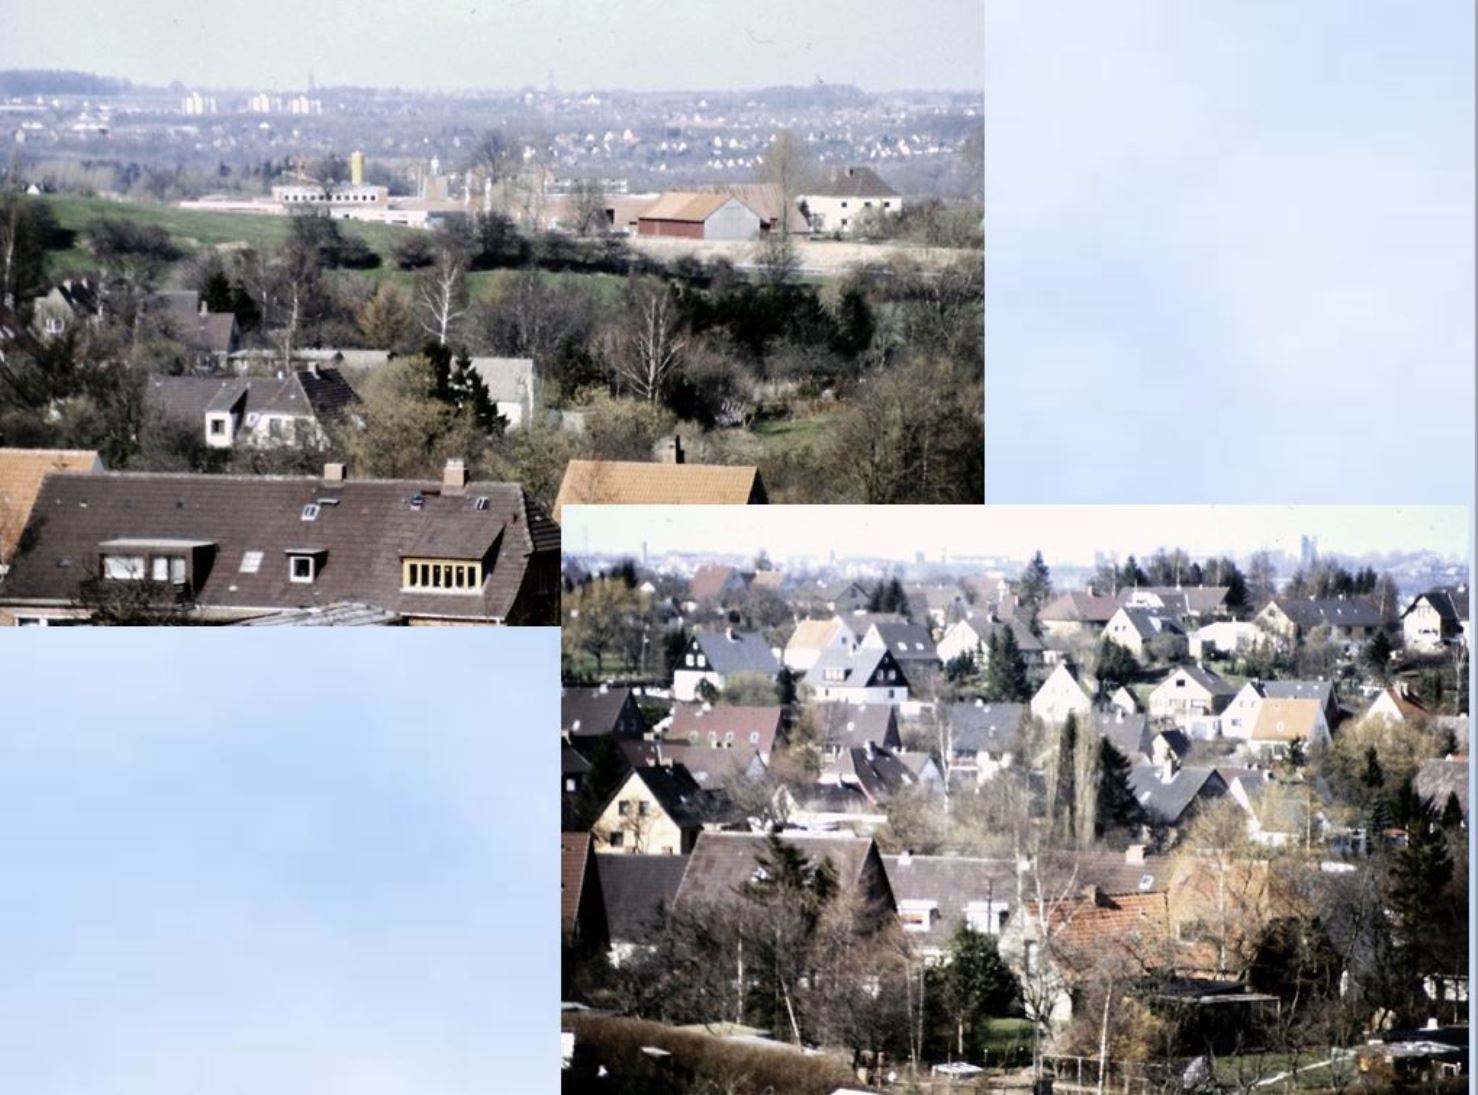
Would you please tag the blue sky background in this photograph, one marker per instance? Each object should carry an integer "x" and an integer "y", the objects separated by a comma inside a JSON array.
[
  {"x": 295, "y": 861},
  {"x": 1229, "y": 251}
]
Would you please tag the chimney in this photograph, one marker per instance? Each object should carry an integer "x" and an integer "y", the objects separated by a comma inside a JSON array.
[
  {"x": 905, "y": 857},
  {"x": 1092, "y": 894},
  {"x": 454, "y": 478},
  {"x": 334, "y": 473},
  {"x": 1167, "y": 768},
  {"x": 678, "y": 456},
  {"x": 204, "y": 309},
  {"x": 1134, "y": 853}
]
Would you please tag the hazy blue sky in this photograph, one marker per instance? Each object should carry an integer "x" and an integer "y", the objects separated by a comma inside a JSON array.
[
  {"x": 289, "y": 861},
  {"x": 1064, "y": 533},
  {"x": 1230, "y": 251},
  {"x": 633, "y": 44}
]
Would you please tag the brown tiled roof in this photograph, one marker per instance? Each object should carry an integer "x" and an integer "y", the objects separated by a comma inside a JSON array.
[
  {"x": 21, "y": 473},
  {"x": 722, "y": 863},
  {"x": 632, "y": 483},
  {"x": 363, "y": 527},
  {"x": 574, "y": 849},
  {"x": 686, "y": 205},
  {"x": 813, "y": 634},
  {"x": 1286, "y": 719},
  {"x": 709, "y": 581},
  {"x": 1140, "y": 922},
  {"x": 698, "y": 723},
  {"x": 1081, "y": 608},
  {"x": 852, "y": 182}
]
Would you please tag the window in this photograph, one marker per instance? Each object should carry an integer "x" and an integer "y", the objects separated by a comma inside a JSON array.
[
  {"x": 844, "y": 205},
  {"x": 691, "y": 661},
  {"x": 441, "y": 576},
  {"x": 301, "y": 568},
  {"x": 1031, "y": 959},
  {"x": 274, "y": 428},
  {"x": 570, "y": 784},
  {"x": 310, "y": 511},
  {"x": 167, "y": 568},
  {"x": 754, "y": 737},
  {"x": 641, "y": 809},
  {"x": 123, "y": 567},
  {"x": 251, "y": 562},
  {"x": 617, "y": 839},
  {"x": 887, "y": 205},
  {"x": 623, "y": 808},
  {"x": 54, "y": 325},
  {"x": 217, "y": 427}
]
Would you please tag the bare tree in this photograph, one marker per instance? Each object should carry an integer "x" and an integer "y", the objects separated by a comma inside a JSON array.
[
  {"x": 786, "y": 166},
  {"x": 441, "y": 299},
  {"x": 589, "y": 207},
  {"x": 650, "y": 350}
]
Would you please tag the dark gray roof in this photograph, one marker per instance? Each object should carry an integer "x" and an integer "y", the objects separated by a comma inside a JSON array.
[
  {"x": 571, "y": 763},
  {"x": 1129, "y": 734},
  {"x": 849, "y": 724},
  {"x": 363, "y": 528},
  {"x": 347, "y": 614},
  {"x": 591, "y": 711},
  {"x": 953, "y": 882},
  {"x": 638, "y": 889},
  {"x": 858, "y": 666},
  {"x": 1331, "y": 612},
  {"x": 879, "y": 773},
  {"x": 1451, "y": 602},
  {"x": 1167, "y": 801},
  {"x": 986, "y": 727},
  {"x": 1208, "y": 679},
  {"x": 909, "y": 643},
  {"x": 832, "y": 798},
  {"x": 508, "y": 379},
  {"x": 1148, "y": 623},
  {"x": 681, "y": 796},
  {"x": 306, "y": 393},
  {"x": 721, "y": 864},
  {"x": 733, "y": 651},
  {"x": 852, "y": 182}
]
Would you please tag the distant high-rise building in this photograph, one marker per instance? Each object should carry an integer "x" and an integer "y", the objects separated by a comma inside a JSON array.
[
  {"x": 1308, "y": 551},
  {"x": 195, "y": 103}
]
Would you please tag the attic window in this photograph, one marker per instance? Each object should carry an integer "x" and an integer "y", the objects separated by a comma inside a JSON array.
[
  {"x": 481, "y": 503},
  {"x": 302, "y": 568},
  {"x": 251, "y": 562},
  {"x": 310, "y": 511},
  {"x": 418, "y": 501}
]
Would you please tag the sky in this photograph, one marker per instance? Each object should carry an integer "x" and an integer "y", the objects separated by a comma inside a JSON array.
[
  {"x": 1229, "y": 251},
  {"x": 639, "y": 45},
  {"x": 1064, "y": 534},
  {"x": 279, "y": 860}
]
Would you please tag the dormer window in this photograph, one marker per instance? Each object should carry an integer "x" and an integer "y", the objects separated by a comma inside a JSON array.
[
  {"x": 440, "y": 576},
  {"x": 310, "y": 511},
  {"x": 302, "y": 568}
]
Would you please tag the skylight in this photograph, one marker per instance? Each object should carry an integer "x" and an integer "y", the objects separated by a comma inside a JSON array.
[
  {"x": 310, "y": 511},
  {"x": 251, "y": 562}
]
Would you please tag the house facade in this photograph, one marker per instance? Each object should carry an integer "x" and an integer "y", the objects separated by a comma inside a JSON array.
[
  {"x": 1189, "y": 692},
  {"x": 866, "y": 675},
  {"x": 713, "y": 657},
  {"x": 1060, "y": 695}
]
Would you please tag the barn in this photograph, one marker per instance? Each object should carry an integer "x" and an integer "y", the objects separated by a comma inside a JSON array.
[{"x": 699, "y": 217}]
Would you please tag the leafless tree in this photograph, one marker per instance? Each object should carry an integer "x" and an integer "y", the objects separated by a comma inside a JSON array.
[
  {"x": 651, "y": 347},
  {"x": 589, "y": 206},
  {"x": 441, "y": 298}
]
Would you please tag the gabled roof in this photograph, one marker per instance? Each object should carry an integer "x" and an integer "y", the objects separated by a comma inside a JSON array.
[
  {"x": 1406, "y": 703},
  {"x": 1322, "y": 691},
  {"x": 1167, "y": 801},
  {"x": 1079, "y": 607},
  {"x": 765, "y": 200},
  {"x": 689, "y": 205},
  {"x": 21, "y": 475},
  {"x": 363, "y": 529},
  {"x": 1148, "y": 623},
  {"x": 953, "y": 883},
  {"x": 846, "y": 725},
  {"x": 1286, "y": 719},
  {"x": 508, "y": 379},
  {"x": 1192, "y": 600},
  {"x": 878, "y": 772},
  {"x": 1129, "y": 734},
  {"x": 907, "y": 642},
  {"x": 1138, "y": 922},
  {"x": 721, "y": 864},
  {"x": 305, "y": 393},
  {"x": 813, "y": 634},
  {"x": 852, "y": 182},
  {"x": 206, "y": 332},
  {"x": 986, "y": 727},
  {"x": 632, "y": 483},
  {"x": 710, "y": 581},
  {"x": 1211, "y": 681},
  {"x": 730, "y": 651},
  {"x": 574, "y": 851},
  {"x": 1330, "y": 612},
  {"x": 857, "y": 667},
  {"x": 681, "y": 796},
  {"x": 591, "y": 711},
  {"x": 698, "y": 723},
  {"x": 1451, "y": 602},
  {"x": 638, "y": 889},
  {"x": 571, "y": 763}
]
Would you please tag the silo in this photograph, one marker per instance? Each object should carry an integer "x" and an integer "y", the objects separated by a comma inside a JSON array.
[{"x": 356, "y": 168}]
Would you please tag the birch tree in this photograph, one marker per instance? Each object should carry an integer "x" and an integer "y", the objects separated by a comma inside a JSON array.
[
  {"x": 652, "y": 346},
  {"x": 441, "y": 297}
]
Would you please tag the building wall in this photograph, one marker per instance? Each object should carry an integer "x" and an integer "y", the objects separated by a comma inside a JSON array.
[
  {"x": 731, "y": 221},
  {"x": 960, "y": 639},
  {"x": 692, "y": 230},
  {"x": 652, "y": 834},
  {"x": 1422, "y": 628},
  {"x": 832, "y": 214},
  {"x": 842, "y": 693},
  {"x": 685, "y": 683}
]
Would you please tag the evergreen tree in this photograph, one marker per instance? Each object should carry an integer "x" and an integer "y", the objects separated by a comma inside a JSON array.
[
  {"x": 973, "y": 986},
  {"x": 1420, "y": 896},
  {"x": 1117, "y": 810},
  {"x": 1452, "y": 813},
  {"x": 1035, "y": 588},
  {"x": 466, "y": 388},
  {"x": 1132, "y": 574},
  {"x": 1115, "y": 666},
  {"x": 1374, "y": 777},
  {"x": 1377, "y": 656},
  {"x": 1067, "y": 788},
  {"x": 1006, "y": 678}
]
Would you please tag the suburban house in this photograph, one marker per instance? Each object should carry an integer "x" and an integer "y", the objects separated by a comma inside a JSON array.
[
  {"x": 713, "y": 767},
  {"x": 699, "y": 216},
  {"x": 1281, "y": 722},
  {"x": 879, "y": 773},
  {"x": 592, "y": 712},
  {"x": 715, "y": 582},
  {"x": 253, "y": 411},
  {"x": 1126, "y": 701},
  {"x": 1076, "y": 613},
  {"x": 981, "y": 738},
  {"x": 811, "y": 637},
  {"x": 937, "y": 895},
  {"x": 1225, "y": 637},
  {"x": 1147, "y": 633},
  {"x": 1435, "y": 618},
  {"x": 573, "y": 769},
  {"x": 1188, "y": 692},
  {"x": 21, "y": 474},
  {"x": 866, "y": 675},
  {"x": 1060, "y": 695},
  {"x": 1168, "y": 794},
  {"x": 716, "y": 656},
  {"x": 227, "y": 547},
  {"x": 828, "y": 808},
  {"x": 847, "y": 597},
  {"x": 1399, "y": 704},
  {"x": 724, "y": 864},
  {"x": 635, "y": 483},
  {"x": 658, "y": 810},
  {"x": 1279, "y": 815},
  {"x": 910, "y": 643},
  {"x": 833, "y": 203},
  {"x": 768, "y": 202},
  {"x": 1186, "y": 604},
  {"x": 68, "y": 304},
  {"x": 211, "y": 336},
  {"x": 1240, "y": 716},
  {"x": 843, "y": 726},
  {"x": 728, "y": 726},
  {"x": 972, "y": 636},
  {"x": 1127, "y": 732},
  {"x": 513, "y": 387},
  {"x": 638, "y": 891},
  {"x": 1346, "y": 618},
  {"x": 940, "y": 605}
]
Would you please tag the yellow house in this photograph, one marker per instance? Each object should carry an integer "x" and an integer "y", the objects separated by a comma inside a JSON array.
[{"x": 656, "y": 811}]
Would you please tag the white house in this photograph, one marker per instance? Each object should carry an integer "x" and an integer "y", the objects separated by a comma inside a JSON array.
[
  {"x": 717, "y": 656},
  {"x": 866, "y": 675},
  {"x": 1188, "y": 692},
  {"x": 834, "y": 203},
  {"x": 1061, "y": 695}
]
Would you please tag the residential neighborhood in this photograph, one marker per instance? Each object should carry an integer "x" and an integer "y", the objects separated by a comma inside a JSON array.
[{"x": 1056, "y": 842}]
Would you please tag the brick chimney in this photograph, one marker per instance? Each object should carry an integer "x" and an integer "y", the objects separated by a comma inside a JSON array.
[
  {"x": 334, "y": 473},
  {"x": 678, "y": 456},
  {"x": 454, "y": 478},
  {"x": 1092, "y": 894}
]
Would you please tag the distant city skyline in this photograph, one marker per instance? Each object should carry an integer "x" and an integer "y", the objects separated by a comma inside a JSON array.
[
  {"x": 1066, "y": 535},
  {"x": 638, "y": 45}
]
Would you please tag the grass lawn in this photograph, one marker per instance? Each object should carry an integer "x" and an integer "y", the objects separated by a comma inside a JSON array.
[
  {"x": 1008, "y": 1037},
  {"x": 1267, "y": 1065}
]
